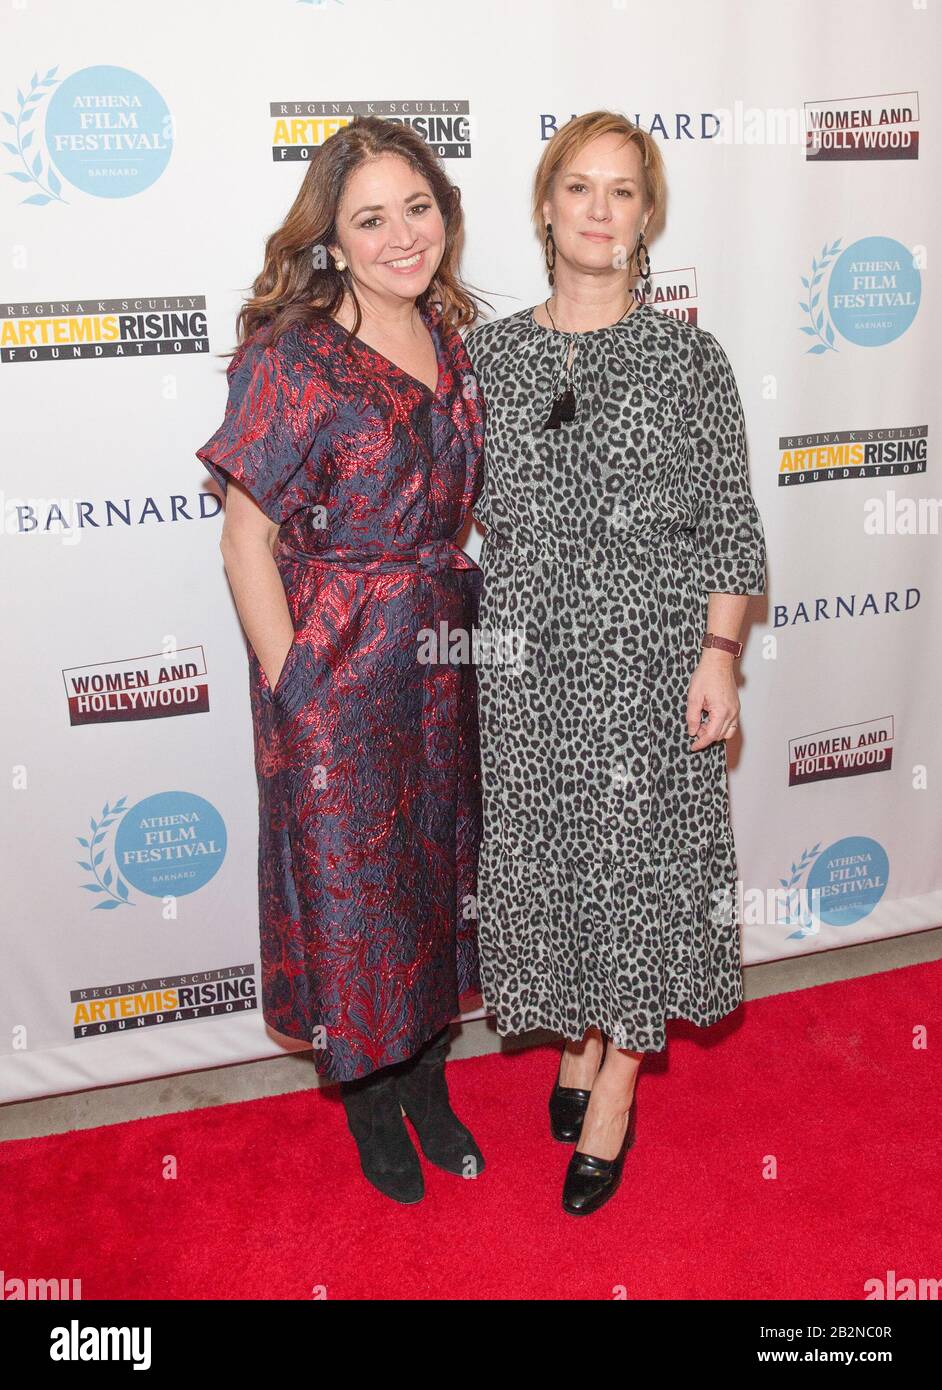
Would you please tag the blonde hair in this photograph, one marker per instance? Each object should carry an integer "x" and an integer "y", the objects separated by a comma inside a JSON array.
[{"x": 578, "y": 132}]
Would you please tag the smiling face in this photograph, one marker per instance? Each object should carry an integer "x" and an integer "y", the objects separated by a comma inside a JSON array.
[
  {"x": 390, "y": 230},
  {"x": 598, "y": 206}
]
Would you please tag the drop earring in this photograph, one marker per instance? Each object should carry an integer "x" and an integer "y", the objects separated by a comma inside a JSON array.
[
  {"x": 643, "y": 270},
  {"x": 548, "y": 245}
]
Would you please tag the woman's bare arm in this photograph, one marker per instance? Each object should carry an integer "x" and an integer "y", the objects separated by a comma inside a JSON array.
[
  {"x": 247, "y": 545},
  {"x": 713, "y": 685}
]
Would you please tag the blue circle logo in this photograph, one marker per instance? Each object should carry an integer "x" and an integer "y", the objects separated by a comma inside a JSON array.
[
  {"x": 851, "y": 876},
  {"x": 109, "y": 132},
  {"x": 874, "y": 291},
  {"x": 170, "y": 844}
]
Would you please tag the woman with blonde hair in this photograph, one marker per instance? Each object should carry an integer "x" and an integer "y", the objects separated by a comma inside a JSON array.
[
  {"x": 351, "y": 454},
  {"x": 622, "y": 540}
]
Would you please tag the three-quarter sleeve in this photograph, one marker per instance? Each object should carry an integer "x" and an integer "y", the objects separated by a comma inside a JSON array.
[
  {"x": 264, "y": 438},
  {"x": 472, "y": 341},
  {"x": 729, "y": 533}
]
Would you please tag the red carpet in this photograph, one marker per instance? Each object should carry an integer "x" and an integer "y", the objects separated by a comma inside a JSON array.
[{"x": 269, "y": 1202}]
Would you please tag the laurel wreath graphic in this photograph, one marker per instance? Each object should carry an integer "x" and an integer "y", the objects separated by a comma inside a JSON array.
[
  {"x": 824, "y": 332},
  {"x": 807, "y": 925},
  {"x": 22, "y": 124},
  {"x": 110, "y": 882}
]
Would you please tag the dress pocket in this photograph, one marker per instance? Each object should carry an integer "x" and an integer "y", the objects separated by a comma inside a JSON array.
[{"x": 272, "y": 693}]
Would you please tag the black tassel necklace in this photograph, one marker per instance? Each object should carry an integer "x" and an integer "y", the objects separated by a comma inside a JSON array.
[{"x": 563, "y": 410}]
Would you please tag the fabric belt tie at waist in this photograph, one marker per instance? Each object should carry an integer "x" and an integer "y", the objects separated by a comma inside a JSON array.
[
  {"x": 562, "y": 548},
  {"x": 431, "y": 556}
]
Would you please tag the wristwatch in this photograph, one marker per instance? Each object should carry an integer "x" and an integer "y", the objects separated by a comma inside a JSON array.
[{"x": 724, "y": 643}]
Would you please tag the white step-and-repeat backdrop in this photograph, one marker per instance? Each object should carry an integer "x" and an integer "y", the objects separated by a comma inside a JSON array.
[{"x": 148, "y": 150}]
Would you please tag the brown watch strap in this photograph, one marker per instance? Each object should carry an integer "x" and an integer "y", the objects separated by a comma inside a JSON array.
[{"x": 725, "y": 644}]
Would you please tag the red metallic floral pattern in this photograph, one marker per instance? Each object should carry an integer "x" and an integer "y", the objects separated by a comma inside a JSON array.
[{"x": 366, "y": 754}]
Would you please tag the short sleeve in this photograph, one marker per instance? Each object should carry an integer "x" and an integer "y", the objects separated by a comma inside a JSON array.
[
  {"x": 264, "y": 439},
  {"x": 729, "y": 533}
]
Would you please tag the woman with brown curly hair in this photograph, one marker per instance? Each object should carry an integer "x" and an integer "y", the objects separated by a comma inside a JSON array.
[
  {"x": 351, "y": 455},
  {"x": 622, "y": 541}
]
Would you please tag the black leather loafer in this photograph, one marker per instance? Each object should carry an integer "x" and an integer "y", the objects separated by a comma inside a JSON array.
[
  {"x": 591, "y": 1181},
  {"x": 567, "y": 1107}
]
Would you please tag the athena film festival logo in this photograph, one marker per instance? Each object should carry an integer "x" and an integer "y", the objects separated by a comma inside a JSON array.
[
  {"x": 102, "y": 130},
  {"x": 834, "y": 887},
  {"x": 164, "y": 846},
  {"x": 867, "y": 294}
]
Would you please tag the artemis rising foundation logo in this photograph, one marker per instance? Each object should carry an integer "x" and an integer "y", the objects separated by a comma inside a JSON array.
[
  {"x": 63, "y": 330},
  {"x": 300, "y": 127}
]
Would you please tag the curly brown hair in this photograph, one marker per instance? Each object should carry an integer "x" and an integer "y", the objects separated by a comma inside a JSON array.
[{"x": 292, "y": 287}]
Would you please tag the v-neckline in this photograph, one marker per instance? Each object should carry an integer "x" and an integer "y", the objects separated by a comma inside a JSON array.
[{"x": 429, "y": 321}]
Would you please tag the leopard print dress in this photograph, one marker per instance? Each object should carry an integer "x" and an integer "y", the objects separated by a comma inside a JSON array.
[{"x": 607, "y": 872}]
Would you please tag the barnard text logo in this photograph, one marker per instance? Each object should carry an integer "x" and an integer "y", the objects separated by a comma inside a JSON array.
[
  {"x": 868, "y": 605},
  {"x": 72, "y": 519},
  {"x": 666, "y": 125}
]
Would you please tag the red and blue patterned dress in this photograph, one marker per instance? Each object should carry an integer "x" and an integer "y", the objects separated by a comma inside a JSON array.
[{"x": 366, "y": 750}]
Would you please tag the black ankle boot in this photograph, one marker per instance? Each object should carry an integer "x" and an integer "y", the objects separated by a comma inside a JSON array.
[
  {"x": 387, "y": 1156},
  {"x": 423, "y": 1092}
]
